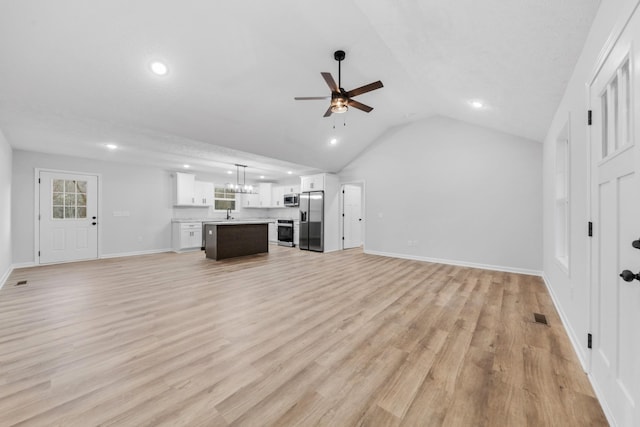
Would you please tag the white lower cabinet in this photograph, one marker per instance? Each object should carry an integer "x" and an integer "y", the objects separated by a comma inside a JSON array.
[{"x": 186, "y": 235}]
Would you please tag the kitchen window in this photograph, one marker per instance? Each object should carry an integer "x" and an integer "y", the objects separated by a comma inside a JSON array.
[{"x": 224, "y": 198}]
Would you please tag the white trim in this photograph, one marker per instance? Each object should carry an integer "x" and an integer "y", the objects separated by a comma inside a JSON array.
[
  {"x": 458, "y": 263},
  {"x": 5, "y": 276},
  {"x": 583, "y": 355},
  {"x": 25, "y": 265},
  {"x": 136, "y": 253},
  {"x": 608, "y": 46},
  {"x": 603, "y": 401},
  {"x": 576, "y": 342},
  {"x": 116, "y": 255}
]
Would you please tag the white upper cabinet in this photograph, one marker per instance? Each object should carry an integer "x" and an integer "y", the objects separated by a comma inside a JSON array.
[
  {"x": 312, "y": 182},
  {"x": 264, "y": 190},
  {"x": 277, "y": 196},
  {"x": 204, "y": 192},
  {"x": 185, "y": 189},
  {"x": 189, "y": 192},
  {"x": 250, "y": 200},
  {"x": 291, "y": 189}
]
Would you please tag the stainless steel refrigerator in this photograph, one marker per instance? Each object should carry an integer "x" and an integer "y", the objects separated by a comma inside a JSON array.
[{"x": 312, "y": 221}]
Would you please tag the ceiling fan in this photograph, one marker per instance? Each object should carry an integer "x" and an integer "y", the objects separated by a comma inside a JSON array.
[{"x": 340, "y": 98}]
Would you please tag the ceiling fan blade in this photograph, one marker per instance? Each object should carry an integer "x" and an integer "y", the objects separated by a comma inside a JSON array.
[
  {"x": 364, "y": 89},
  {"x": 306, "y": 98},
  {"x": 330, "y": 82},
  {"x": 328, "y": 113},
  {"x": 359, "y": 106}
]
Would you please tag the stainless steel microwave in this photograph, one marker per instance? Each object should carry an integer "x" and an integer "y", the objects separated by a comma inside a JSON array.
[{"x": 291, "y": 200}]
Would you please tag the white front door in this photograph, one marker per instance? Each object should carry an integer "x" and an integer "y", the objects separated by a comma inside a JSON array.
[
  {"x": 68, "y": 217},
  {"x": 615, "y": 209},
  {"x": 352, "y": 216}
]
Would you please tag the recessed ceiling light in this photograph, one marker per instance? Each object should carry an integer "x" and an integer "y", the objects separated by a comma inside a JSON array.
[
  {"x": 159, "y": 68},
  {"x": 289, "y": 172},
  {"x": 476, "y": 104},
  {"x": 261, "y": 176},
  {"x": 111, "y": 146},
  {"x": 229, "y": 172},
  {"x": 333, "y": 141},
  {"x": 186, "y": 166}
]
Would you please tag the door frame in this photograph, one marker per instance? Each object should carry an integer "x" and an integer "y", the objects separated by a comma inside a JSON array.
[
  {"x": 36, "y": 211},
  {"x": 361, "y": 184}
]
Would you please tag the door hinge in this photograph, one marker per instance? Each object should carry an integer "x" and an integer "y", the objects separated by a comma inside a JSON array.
[
  {"x": 342, "y": 237},
  {"x": 589, "y": 114},
  {"x": 590, "y": 227},
  {"x": 589, "y": 340},
  {"x": 343, "y": 215},
  {"x": 38, "y": 253},
  {"x": 38, "y": 180}
]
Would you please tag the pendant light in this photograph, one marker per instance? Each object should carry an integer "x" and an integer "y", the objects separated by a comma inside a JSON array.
[{"x": 242, "y": 188}]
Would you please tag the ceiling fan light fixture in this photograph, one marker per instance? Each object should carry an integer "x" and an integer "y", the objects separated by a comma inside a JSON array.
[{"x": 339, "y": 105}]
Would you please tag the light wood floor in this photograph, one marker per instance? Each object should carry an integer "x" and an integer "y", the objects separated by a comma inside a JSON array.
[{"x": 288, "y": 338}]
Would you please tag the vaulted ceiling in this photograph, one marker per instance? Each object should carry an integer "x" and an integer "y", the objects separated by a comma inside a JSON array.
[{"x": 75, "y": 74}]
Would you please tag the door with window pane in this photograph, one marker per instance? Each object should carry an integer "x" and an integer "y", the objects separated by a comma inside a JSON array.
[
  {"x": 68, "y": 218},
  {"x": 615, "y": 211}
]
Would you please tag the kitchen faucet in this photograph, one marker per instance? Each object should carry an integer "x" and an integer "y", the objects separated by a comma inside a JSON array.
[{"x": 228, "y": 213}]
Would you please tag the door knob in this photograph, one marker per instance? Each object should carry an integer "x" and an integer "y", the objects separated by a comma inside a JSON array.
[
  {"x": 93, "y": 223},
  {"x": 636, "y": 244},
  {"x": 629, "y": 276}
]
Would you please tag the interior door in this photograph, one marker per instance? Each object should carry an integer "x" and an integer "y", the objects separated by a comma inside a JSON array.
[
  {"x": 615, "y": 209},
  {"x": 68, "y": 217},
  {"x": 352, "y": 216}
]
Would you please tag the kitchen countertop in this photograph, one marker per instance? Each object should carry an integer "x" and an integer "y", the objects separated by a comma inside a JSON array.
[
  {"x": 238, "y": 221},
  {"x": 231, "y": 221}
]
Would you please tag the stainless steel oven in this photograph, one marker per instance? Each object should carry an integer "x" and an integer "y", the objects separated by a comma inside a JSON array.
[{"x": 285, "y": 232}]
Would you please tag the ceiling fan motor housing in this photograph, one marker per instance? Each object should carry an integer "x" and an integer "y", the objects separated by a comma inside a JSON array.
[{"x": 339, "y": 55}]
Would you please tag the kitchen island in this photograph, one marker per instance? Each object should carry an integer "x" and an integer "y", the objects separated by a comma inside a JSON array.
[{"x": 229, "y": 239}]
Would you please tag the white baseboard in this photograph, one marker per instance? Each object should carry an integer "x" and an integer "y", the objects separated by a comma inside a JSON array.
[
  {"x": 458, "y": 263},
  {"x": 136, "y": 253},
  {"x": 576, "y": 342},
  {"x": 5, "y": 276},
  {"x": 24, "y": 265},
  {"x": 102, "y": 256},
  {"x": 603, "y": 402},
  {"x": 578, "y": 347}
]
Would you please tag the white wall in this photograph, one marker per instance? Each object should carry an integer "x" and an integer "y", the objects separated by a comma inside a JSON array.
[
  {"x": 441, "y": 189},
  {"x": 571, "y": 291},
  {"x": 144, "y": 192},
  {"x": 5, "y": 209}
]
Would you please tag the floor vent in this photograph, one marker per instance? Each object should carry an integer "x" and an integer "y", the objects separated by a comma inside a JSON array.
[
  {"x": 540, "y": 318},
  {"x": 21, "y": 282}
]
